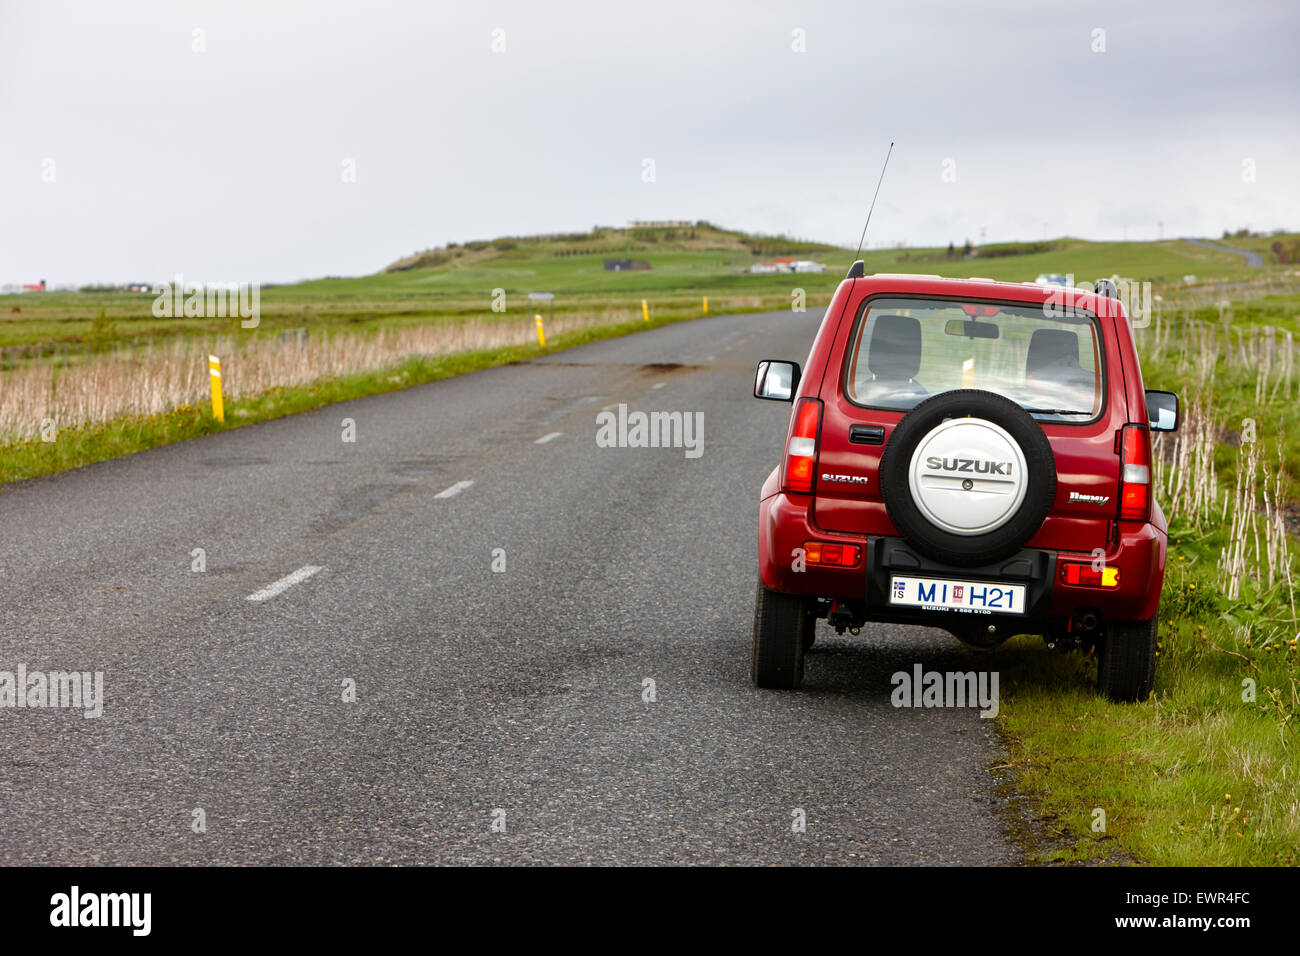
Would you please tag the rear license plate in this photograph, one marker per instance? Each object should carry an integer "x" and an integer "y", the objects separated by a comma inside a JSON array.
[{"x": 972, "y": 597}]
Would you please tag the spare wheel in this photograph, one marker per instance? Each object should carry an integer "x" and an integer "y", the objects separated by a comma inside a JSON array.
[{"x": 968, "y": 477}]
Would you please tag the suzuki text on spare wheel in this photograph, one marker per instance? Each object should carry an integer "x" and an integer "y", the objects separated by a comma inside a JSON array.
[{"x": 970, "y": 455}]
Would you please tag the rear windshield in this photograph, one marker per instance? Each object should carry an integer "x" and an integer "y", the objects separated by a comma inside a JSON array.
[{"x": 909, "y": 349}]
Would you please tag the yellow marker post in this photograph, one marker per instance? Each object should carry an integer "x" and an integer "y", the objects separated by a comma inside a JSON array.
[
  {"x": 541, "y": 332},
  {"x": 706, "y": 305},
  {"x": 645, "y": 311},
  {"x": 214, "y": 372}
]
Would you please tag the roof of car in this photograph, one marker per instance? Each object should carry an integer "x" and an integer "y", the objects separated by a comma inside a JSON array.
[{"x": 977, "y": 287}]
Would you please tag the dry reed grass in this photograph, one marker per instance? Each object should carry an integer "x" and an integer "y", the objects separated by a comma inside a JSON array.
[
  {"x": 1207, "y": 358},
  {"x": 107, "y": 386}
]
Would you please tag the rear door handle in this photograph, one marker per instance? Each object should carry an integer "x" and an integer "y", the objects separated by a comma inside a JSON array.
[{"x": 867, "y": 434}]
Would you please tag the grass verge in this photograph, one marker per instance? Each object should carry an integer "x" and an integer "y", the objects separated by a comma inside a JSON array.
[{"x": 1203, "y": 774}]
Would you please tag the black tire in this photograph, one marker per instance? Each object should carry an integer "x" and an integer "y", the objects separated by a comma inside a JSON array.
[
  {"x": 957, "y": 549},
  {"x": 810, "y": 631},
  {"x": 1126, "y": 661},
  {"x": 780, "y": 638}
]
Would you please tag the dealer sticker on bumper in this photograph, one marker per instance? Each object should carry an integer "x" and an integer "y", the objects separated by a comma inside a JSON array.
[{"x": 971, "y": 597}]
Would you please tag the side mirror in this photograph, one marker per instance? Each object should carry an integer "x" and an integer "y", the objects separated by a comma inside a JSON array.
[
  {"x": 776, "y": 380},
  {"x": 1162, "y": 411}
]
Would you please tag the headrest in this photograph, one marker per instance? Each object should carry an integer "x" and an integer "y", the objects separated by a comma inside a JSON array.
[
  {"x": 1055, "y": 347},
  {"x": 895, "y": 350}
]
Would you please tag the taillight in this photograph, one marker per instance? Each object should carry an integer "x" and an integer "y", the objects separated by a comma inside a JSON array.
[
  {"x": 801, "y": 448},
  {"x": 1085, "y": 575},
  {"x": 1135, "y": 479},
  {"x": 823, "y": 552}
]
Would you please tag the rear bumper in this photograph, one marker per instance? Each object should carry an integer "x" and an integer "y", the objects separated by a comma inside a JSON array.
[
  {"x": 786, "y": 523},
  {"x": 887, "y": 557}
]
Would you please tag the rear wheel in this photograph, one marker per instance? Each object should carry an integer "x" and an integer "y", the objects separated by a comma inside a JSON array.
[
  {"x": 1126, "y": 660},
  {"x": 782, "y": 624}
]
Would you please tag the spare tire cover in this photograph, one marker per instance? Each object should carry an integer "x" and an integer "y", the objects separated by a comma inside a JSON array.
[{"x": 968, "y": 477}]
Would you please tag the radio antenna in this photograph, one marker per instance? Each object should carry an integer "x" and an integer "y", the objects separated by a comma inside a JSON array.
[{"x": 873, "y": 201}]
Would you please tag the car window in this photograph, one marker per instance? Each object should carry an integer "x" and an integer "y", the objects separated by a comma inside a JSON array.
[{"x": 909, "y": 349}]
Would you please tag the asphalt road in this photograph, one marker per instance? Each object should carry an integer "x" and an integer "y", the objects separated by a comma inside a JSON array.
[
  {"x": 1254, "y": 260},
  {"x": 476, "y": 691}
]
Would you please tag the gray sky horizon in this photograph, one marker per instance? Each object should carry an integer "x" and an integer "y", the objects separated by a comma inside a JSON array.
[{"x": 291, "y": 140}]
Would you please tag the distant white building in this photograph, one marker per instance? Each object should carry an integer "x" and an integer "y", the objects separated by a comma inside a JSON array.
[
  {"x": 807, "y": 265},
  {"x": 787, "y": 264}
]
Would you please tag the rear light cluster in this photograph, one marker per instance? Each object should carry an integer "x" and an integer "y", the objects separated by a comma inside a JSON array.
[
  {"x": 801, "y": 448},
  {"x": 1085, "y": 575},
  {"x": 823, "y": 552},
  {"x": 1135, "y": 480}
]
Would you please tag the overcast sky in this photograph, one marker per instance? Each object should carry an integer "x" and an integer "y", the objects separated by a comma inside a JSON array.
[{"x": 222, "y": 154}]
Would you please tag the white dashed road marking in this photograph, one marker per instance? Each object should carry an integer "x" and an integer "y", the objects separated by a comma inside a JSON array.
[
  {"x": 454, "y": 490},
  {"x": 545, "y": 438},
  {"x": 657, "y": 385},
  {"x": 282, "y": 585}
]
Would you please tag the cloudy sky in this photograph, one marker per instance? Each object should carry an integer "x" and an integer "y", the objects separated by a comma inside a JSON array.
[{"x": 271, "y": 140}]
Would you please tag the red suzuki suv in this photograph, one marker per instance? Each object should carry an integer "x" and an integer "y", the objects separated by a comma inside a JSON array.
[{"x": 971, "y": 455}]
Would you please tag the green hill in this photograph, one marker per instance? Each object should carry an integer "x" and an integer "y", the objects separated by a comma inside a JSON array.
[{"x": 687, "y": 263}]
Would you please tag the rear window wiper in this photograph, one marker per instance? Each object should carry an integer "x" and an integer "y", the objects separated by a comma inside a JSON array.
[{"x": 1055, "y": 411}]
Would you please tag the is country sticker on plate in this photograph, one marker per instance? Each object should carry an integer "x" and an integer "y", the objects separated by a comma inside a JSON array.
[{"x": 972, "y": 597}]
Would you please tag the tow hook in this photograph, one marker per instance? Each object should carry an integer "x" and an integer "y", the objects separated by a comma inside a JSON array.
[
  {"x": 1063, "y": 643},
  {"x": 841, "y": 618},
  {"x": 1080, "y": 633}
]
